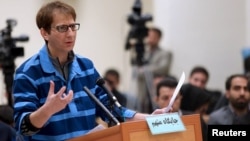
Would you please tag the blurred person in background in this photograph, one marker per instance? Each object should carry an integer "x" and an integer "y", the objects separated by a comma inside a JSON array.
[
  {"x": 199, "y": 77},
  {"x": 129, "y": 100},
  {"x": 195, "y": 99},
  {"x": 156, "y": 60},
  {"x": 164, "y": 92},
  {"x": 237, "y": 110},
  {"x": 112, "y": 77}
]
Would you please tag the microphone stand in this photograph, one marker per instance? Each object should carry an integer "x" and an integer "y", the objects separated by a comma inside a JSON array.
[
  {"x": 113, "y": 102},
  {"x": 119, "y": 113},
  {"x": 111, "y": 109},
  {"x": 102, "y": 106}
]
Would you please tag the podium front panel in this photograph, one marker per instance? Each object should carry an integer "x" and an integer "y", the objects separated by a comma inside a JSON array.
[
  {"x": 109, "y": 134},
  {"x": 139, "y": 130}
]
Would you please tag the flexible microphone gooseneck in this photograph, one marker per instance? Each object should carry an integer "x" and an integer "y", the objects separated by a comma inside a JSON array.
[
  {"x": 90, "y": 94},
  {"x": 101, "y": 82}
]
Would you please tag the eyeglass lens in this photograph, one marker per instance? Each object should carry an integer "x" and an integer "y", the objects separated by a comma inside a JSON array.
[{"x": 64, "y": 28}]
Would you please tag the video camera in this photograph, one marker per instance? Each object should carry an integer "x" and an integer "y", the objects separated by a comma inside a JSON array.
[
  {"x": 8, "y": 52},
  {"x": 8, "y": 48},
  {"x": 138, "y": 32}
]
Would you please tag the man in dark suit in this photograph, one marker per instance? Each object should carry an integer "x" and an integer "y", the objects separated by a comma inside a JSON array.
[{"x": 237, "y": 110}]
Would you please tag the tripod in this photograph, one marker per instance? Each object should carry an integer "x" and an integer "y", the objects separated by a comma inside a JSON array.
[{"x": 8, "y": 71}]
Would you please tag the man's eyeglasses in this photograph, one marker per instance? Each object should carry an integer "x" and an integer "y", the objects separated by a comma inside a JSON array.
[{"x": 65, "y": 28}]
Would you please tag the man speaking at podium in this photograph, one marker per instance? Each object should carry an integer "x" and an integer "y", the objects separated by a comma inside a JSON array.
[{"x": 49, "y": 100}]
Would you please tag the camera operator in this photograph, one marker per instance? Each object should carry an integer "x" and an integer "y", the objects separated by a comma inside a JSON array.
[
  {"x": 147, "y": 57},
  {"x": 157, "y": 61}
]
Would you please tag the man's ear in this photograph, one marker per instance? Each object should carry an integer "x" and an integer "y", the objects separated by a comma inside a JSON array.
[{"x": 44, "y": 33}]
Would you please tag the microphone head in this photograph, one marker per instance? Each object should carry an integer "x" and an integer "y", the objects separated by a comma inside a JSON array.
[{"x": 100, "y": 81}]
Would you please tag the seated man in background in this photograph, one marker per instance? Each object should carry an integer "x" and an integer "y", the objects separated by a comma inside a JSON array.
[
  {"x": 199, "y": 77},
  {"x": 195, "y": 99},
  {"x": 164, "y": 91},
  {"x": 112, "y": 77},
  {"x": 238, "y": 95}
]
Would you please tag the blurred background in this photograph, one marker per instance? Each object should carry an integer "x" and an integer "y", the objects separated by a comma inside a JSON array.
[{"x": 211, "y": 33}]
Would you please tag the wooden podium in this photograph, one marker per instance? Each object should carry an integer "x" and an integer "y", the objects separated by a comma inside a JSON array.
[{"x": 139, "y": 131}]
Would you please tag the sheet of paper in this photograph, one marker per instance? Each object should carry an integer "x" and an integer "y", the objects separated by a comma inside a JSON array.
[
  {"x": 177, "y": 89},
  {"x": 97, "y": 128}
]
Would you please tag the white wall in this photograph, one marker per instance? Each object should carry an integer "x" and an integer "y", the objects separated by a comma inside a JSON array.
[
  {"x": 247, "y": 11},
  {"x": 210, "y": 32}
]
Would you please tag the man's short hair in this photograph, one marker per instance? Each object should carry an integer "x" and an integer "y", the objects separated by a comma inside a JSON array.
[
  {"x": 157, "y": 30},
  {"x": 200, "y": 69}
]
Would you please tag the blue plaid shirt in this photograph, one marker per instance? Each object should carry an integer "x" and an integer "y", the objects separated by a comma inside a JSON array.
[{"x": 31, "y": 86}]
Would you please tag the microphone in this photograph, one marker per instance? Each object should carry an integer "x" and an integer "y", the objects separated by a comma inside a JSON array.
[
  {"x": 101, "y": 82},
  {"x": 101, "y": 105}
]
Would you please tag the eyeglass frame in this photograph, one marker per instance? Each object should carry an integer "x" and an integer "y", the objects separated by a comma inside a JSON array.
[{"x": 60, "y": 29}]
